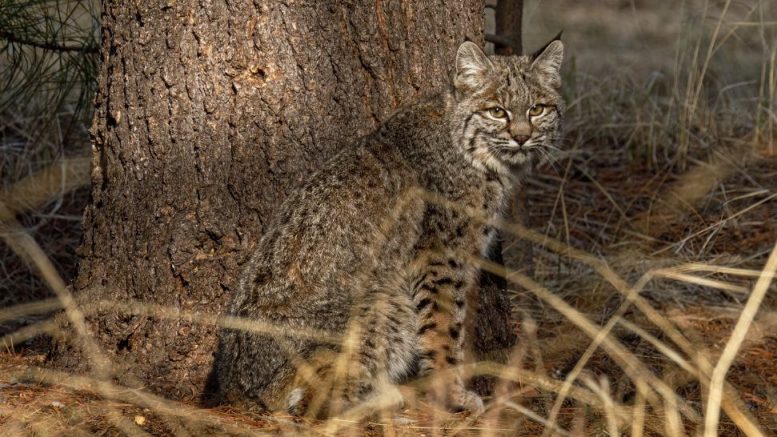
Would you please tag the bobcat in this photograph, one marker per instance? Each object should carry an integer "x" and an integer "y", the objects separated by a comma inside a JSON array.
[{"x": 359, "y": 251}]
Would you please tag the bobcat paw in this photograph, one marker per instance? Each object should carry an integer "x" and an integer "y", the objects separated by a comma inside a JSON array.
[
  {"x": 457, "y": 399},
  {"x": 294, "y": 404},
  {"x": 468, "y": 401},
  {"x": 304, "y": 401}
]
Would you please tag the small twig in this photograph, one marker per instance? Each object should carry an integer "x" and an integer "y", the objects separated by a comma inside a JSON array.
[{"x": 499, "y": 41}]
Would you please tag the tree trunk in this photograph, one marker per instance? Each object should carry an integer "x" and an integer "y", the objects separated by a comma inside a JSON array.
[
  {"x": 509, "y": 18},
  {"x": 207, "y": 114}
]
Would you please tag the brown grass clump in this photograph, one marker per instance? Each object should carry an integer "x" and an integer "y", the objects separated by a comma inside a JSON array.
[{"x": 651, "y": 305}]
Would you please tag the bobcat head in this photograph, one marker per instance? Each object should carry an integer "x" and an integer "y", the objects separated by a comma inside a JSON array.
[{"x": 507, "y": 109}]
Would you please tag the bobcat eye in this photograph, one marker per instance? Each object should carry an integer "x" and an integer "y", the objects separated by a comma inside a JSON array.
[
  {"x": 536, "y": 110},
  {"x": 497, "y": 112}
]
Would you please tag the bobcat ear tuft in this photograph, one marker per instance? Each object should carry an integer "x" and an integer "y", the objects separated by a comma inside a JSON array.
[
  {"x": 547, "y": 61},
  {"x": 539, "y": 51},
  {"x": 472, "y": 67}
]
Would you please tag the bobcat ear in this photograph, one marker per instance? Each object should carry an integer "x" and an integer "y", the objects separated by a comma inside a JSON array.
[
  {"x": 472, "y": 67},
  {"x": 547, "y": 61}
]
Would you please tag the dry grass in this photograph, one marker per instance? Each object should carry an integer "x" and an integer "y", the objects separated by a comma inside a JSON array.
[{"x": 650, "y": 309}]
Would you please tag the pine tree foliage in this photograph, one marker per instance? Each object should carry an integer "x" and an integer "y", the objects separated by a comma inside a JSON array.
[
  {"x": 49, "y": 57},
  {"x": 49, "y": 53}
]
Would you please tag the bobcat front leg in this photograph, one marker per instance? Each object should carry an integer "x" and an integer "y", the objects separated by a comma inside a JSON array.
[
  {"x": 440, "y": 299},
  {"x": 377, "y": 353}
]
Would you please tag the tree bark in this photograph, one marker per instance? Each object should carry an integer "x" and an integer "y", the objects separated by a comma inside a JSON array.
[{"x": 208, "y": 112}]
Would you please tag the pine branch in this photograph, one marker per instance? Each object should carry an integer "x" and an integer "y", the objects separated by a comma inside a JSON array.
[
  {"x": 48, "y": 45},
  {"x": 498, "y": 41}
]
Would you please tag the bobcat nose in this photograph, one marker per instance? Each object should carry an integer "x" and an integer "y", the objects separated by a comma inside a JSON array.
[{"x": 521, "y": 139}]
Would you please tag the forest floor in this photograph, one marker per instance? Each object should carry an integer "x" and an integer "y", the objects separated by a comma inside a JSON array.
[{"x": 655, "y": 186}]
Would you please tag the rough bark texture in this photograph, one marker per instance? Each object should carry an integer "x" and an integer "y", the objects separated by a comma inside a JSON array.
[{"x": 207, "y": 114}]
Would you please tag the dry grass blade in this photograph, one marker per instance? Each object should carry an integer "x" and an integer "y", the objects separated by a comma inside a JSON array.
[
  {"x": 17, "y": 311},
  {"x": 534, "y": 416},
  {"x": 732, "y": 346},
  {"x": 37, "y": 189},
  {"x": 602, "y": 389},
  {"x": 705, "y": 282},
  {"x": 638, "y": 422},
  {"x": 50, "y": 327},
  {"x": 746, "y": 423},
  {"x": 660, "y": 346},
  {"x": 231, "y": 322},
  {"x": 46, "y": 327},
  {"x": 698, "y": 267},
  {"x": 544, "y": 383},
  {"x": 388, "y": 398}
]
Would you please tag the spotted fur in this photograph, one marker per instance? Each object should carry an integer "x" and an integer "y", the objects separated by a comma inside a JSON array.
[{"x": 357, "y": 251}]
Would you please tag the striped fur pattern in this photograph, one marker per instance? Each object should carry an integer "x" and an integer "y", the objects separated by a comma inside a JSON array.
[{"x": 357, "y": 252}]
